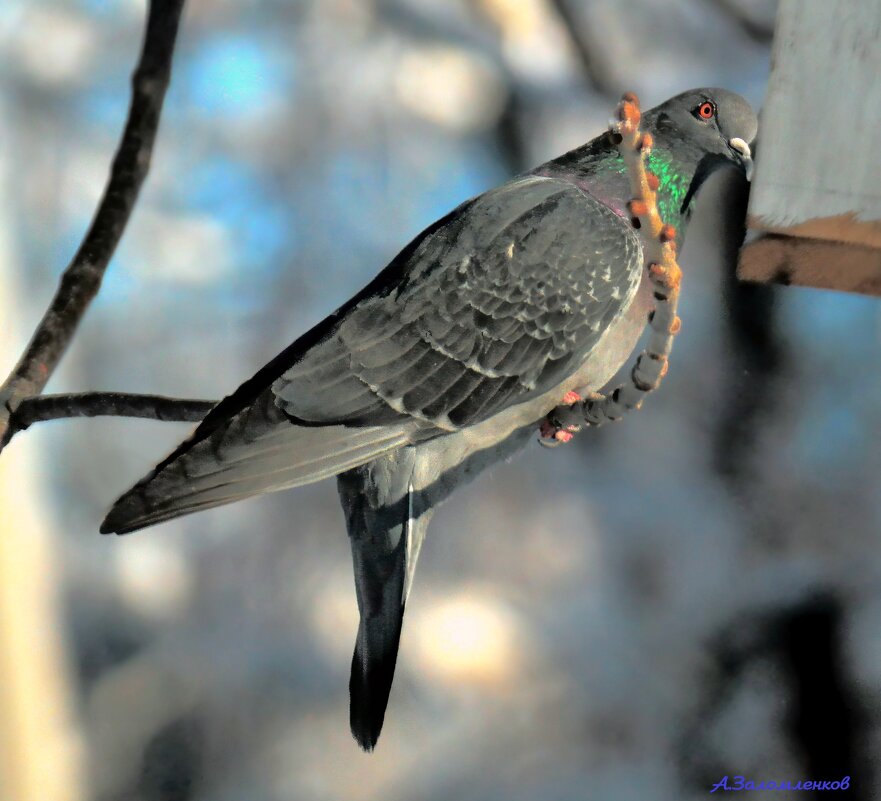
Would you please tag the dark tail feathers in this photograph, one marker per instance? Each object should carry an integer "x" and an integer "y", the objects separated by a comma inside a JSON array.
[{"x": 386, "y": 538}]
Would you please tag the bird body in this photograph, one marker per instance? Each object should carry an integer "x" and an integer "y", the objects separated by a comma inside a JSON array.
[{"x": 446, "y": 362}]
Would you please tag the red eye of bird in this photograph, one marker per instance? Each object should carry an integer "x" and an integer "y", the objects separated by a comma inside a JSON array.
[{"x": 706, "y": 110}]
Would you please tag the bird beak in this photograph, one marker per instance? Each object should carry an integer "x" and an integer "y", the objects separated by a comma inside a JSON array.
[{"x": 746, "y": 157}]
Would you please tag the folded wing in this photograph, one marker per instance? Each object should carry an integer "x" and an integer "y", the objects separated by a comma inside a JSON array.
[{"x": 492, "y": 305}]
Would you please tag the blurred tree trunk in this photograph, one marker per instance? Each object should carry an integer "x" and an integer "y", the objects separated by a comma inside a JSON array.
[{"x": 39, "y": 749}]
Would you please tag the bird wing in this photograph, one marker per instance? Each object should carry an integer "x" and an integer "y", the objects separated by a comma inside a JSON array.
[{"x": 495, "y": 306}]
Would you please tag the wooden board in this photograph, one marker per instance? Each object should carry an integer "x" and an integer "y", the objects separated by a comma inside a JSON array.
[{"x": 818, "y": 165}]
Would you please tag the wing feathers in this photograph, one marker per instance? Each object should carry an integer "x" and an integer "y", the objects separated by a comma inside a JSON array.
[
  {"x": 519, "y": 285},
  {"x": 257, "y": 452},
  {"x": 491, "y": 305}
]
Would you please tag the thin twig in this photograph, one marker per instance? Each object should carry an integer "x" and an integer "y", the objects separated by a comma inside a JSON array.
[
  {"x": 753, "y": 28},
  {"x": 116, "y": 404},
  {"x": 659, "y": 253},
  {"x": 82, "y": 278},
  {"x": 594, "y": 68}
]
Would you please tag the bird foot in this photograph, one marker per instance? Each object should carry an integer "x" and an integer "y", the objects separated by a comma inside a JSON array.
[
  {"x": 552, "y": 435},
  {"x": 562, "y": 423}
]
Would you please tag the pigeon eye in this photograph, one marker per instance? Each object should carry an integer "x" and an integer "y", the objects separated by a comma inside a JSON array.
[{"x": 706, "y": 110}]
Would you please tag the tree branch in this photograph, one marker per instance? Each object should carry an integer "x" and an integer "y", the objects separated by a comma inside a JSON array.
[
  {"x": 81, "y": 280},
  {"x": 594, "y": 68},
  {"x": 754, "y": 29},
  {"x": 659, "y": 252},
  {"x": 114, "y": 404}
]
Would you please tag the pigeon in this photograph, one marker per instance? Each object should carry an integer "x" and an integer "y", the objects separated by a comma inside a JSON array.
[{"x": 447, "y": 362}]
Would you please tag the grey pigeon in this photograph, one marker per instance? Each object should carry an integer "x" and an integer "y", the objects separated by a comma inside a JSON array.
[{"x": 447, "y": 361}]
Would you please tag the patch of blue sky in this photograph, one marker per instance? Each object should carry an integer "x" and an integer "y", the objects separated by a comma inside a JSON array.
[
  {"x": 235, "y": 75},
  {"x": 234, "y": 194},
  {"x": 829, "y": 440},
  {"x": 444, "y": 185},
  {"x": 54, "y": 253},
  {"x": 259, "y": 226},
  {"x": 105, "y": 105},
  {"x": 121, "y": 285},
  {"x": 355, "y": 193},
  {"x": 104, "y": 8},
  {"x": 832, "y": 321},
  {"x": 122, "y": 282},
  {"x": 838, "y": 332},
  {"x": 394, "y": 199},
  {"x": 371, "y": 202},
  {"x": 11, "y": 12}
]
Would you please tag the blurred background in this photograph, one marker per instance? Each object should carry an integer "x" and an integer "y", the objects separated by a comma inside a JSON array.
[{"x": 690, "y": 594}]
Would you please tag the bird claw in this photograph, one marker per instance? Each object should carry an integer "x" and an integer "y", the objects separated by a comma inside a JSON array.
[
  {"x": 562, "y": 423},
  {"x": 555, "y": 439},
  {"x": 553, "y": 434}
]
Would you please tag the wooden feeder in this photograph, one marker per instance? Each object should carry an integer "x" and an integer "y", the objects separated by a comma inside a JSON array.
[{"x": 815, "y": 205}]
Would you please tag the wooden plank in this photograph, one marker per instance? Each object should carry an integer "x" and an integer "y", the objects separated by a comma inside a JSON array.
[
  {"x": 818, "y": 170},
  {"x": 813, "y": 262}
]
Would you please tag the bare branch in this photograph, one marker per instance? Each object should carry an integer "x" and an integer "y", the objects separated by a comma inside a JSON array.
[
  {"x": 82, "y": 278},
  {"x": 659, "y": 253},
  {"x": 753, "y": 28},
  {"x": 108, "y": 404},
  {"x": 592, "y": 66}
]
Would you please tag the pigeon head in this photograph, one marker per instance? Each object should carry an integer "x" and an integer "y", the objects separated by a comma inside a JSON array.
[
  {"x": 715, "y": 125},
  {"x": 695, "y": 134}
]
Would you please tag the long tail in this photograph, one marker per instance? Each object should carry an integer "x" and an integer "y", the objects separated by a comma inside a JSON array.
[
  {"x": 255, "y": 451},
  {"x": 386, "y": 535}
]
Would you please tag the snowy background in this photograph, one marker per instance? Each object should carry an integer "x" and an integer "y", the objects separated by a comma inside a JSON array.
[{"x": 693, "y": 593}]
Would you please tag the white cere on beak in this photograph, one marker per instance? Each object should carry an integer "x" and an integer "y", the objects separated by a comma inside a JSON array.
[{"x": 743, "y": 148}]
